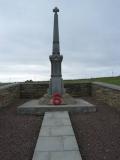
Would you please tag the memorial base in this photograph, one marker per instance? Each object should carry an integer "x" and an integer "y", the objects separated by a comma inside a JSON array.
[
  {"x": 56, "y": 86},
  {"x": 35, "y": 108},
  {"x": 66, "y": 99}
]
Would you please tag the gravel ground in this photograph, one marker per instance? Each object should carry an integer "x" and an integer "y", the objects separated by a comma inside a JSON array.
[
  {"x": 18, "y": 133},
  {"x": 98, "y": 134}
]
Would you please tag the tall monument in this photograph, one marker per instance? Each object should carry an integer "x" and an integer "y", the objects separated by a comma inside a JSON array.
[{"x": 56, "y": 82}]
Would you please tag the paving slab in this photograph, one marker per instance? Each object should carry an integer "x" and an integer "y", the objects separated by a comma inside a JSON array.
[
  {"x": 56, "y": 114},
  {"x": 56, "y": 140},
  {"x": 62, "y": 131},
  {"x": 56, "y": 131},
  {"x": 33, "y": 107},
  {"x": 41, "y": 155},
  {"x": 56, "y": 122},
  {"x": 70, "y": 143},
  {"x": 49, "y": 144},
  {"x": 66, "y": 155}
]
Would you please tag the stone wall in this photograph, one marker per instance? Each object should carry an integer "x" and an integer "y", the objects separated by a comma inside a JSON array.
[
  {"x": 78, "y": 89},
  {"x": 33, "y": 89},
  {"x": 9, "y": 93},
  {"x": 37, "y": 90},
  {"x": 107, "y": 93}
]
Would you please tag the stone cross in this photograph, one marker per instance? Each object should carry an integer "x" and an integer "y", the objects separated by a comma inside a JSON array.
[
  {"x": 55, "y": 10},
  {"x": 56, "y": 47}
]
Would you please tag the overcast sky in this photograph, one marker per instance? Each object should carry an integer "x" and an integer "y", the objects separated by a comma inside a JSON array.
[{"x": 89, "y": 38}]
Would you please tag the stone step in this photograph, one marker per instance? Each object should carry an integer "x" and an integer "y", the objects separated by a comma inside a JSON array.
[{"x": 33, "y": 107}]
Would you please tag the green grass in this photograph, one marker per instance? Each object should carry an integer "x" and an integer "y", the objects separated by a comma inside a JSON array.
[{"x": 110, "y": 80}]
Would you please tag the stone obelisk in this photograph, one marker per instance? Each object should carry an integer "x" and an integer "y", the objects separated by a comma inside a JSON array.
[{"x": 56, "y": 82}]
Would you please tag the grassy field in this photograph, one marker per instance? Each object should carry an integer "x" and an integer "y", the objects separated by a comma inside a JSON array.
[{"x": 110, "y": 80}]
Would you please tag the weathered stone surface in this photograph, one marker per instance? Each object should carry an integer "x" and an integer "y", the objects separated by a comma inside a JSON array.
[
  {"x": 78, "y": 89},
  {"x": 33, "y": 90}
]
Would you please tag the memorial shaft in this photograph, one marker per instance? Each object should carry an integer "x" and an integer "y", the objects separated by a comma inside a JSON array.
[
  {"x": 56, "y": 47},
  {"x": 56, "y": 82}
]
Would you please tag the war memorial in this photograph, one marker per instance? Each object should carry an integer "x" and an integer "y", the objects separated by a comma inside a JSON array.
[
  {"x": 56, "y": 94},
  {"x": 60, "y": 105},
  {"x": 55, "y": 104}
]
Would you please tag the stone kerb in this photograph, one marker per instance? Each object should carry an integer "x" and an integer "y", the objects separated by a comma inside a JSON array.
[
  {"x": 107, "y": 93},
  {"x": 9, "y": 93}
]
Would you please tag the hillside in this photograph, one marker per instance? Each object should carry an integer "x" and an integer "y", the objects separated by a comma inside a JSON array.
[{"x": 110, "y": 80}]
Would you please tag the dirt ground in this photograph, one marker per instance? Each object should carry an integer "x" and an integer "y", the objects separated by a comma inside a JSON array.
[
  {"x": 18, "y": 134},
  {"x": 98, "y": 134}
]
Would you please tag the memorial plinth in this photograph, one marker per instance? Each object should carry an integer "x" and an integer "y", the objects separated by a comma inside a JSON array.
[{"x": 33, "y": 107}]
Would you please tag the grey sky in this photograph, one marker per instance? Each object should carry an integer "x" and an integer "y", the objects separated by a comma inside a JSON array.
[{"x": 89, "y": 38}]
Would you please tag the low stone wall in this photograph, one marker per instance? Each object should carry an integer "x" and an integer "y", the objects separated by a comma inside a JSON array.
[
  {"x": 107, "y": 93},
  {"x": 78, "y": 89},
  {"x": 37, "y": 90},
  {"x": 9, "y": 93},
  {"x": 33, "y": 89}
]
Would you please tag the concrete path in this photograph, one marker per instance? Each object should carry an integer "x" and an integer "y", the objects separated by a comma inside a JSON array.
[{"x": 56, "y": 140}]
